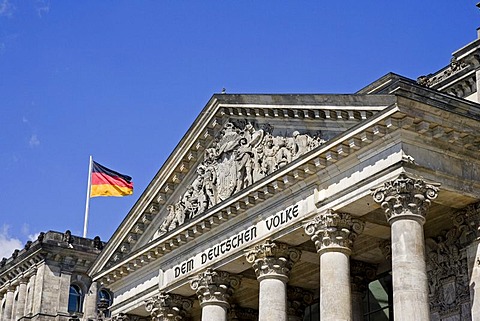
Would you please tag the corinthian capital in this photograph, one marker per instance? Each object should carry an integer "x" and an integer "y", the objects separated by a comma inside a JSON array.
[
  {"x": 168, "y": 307},
  {"x": 271, "y": 259},
  {"x": 332, "y": 231},
  {"x": 405, "y": 197},
  {"x": 214, "y": 287}
]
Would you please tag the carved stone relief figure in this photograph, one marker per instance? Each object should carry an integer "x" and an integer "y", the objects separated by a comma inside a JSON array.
[
  {"x": 447, "y": 268},
  {"x": 239, "y": 156}
]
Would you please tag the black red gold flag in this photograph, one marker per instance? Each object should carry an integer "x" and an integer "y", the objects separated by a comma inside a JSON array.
[{"x": 107, "y": 182}]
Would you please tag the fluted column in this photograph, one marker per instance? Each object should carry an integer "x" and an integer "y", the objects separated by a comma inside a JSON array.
[
  {"x": 333, "y": 234},
  {"x": 214, "y": 290},
  {"x": 168, "y": 307},
  {"x": 405, "y": 201},
  {"x": 22, "y": 293},
  {"x": 7, "y": 312},
  {"x": 272, "y": 263}
]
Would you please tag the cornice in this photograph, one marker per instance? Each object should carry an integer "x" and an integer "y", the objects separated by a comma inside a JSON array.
[{"x": 21, "y": 269}]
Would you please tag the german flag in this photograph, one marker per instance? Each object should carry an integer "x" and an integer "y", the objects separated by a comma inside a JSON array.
[{"x": 106, "y": 182}]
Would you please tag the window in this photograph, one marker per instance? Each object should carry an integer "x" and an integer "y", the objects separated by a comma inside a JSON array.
[
  {"x": 312, "y": 312},
  {"x": 378, "y": 304},
  {"x": 75, "y": 299},
  {"x": 104, "y": 302}
]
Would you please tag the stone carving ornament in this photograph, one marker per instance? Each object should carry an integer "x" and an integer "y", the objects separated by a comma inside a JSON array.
[
  {"x": 405, "y": 196},
  {"x": 332, "y": 230},
  {"x": 240, "y": 156},
  {"x": 168, "y": 307},
  {"x": 272, "y": 259},
  {"x": 214, "y": 286},
  {"x": 447, "y": 267}
]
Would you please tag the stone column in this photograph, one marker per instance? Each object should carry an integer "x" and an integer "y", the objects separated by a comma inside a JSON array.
[
  {"x": 333, "y": 235},
  {"x": 39, "y": 289},
  {"x": 272, "y": 263},
  {"x": 2, "y": 296},
  {"x": 7, "y": 312},
  {"x": 214, "y": 290},
  {"x": 405, "y": 201},
  {"x": 31, "y": 293},
  {"x": 90, "y": 310},
  {"x": 22, "y": 293},
  {"x": 297, "y": 301},
  {"x": 168, "y": 307}
]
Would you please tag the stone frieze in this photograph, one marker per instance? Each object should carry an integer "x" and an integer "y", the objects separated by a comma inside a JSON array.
[{"x": 240, "y": 156}]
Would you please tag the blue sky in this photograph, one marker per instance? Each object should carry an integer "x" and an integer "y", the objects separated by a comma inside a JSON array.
[{"x": 124, "y": 80}]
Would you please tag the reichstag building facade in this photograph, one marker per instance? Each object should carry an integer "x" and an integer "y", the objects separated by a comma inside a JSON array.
[{"x": 362, "y": 206}]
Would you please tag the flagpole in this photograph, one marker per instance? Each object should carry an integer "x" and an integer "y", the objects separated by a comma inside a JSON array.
[{"x": 87, "y": 202}]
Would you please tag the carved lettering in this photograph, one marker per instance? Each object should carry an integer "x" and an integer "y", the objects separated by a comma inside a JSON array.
[
  {"x": 185, "y": 267},
  {"x": 282, "y": 217}
]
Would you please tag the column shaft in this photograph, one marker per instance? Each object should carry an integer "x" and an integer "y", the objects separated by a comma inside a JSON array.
[
  {"x": 272, "y": 300},
  {"x": 20, "y": 305},
  {"x": 214, "y": 312},
  {"x": 410, "y": 287},
  {"x": 7, "y": 312},
  {"x": 31, "y": 293},
  {"x": 335, "y": 289},
  {"x": 91, "y": 302}
]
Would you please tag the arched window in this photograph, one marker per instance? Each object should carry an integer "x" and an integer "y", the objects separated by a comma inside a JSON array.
[
  {"x": 75, "y": 299},
  {"x": 104, "y": 301}
]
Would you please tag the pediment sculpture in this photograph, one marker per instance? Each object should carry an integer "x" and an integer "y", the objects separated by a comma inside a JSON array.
[{"x": 238, "y": 157}]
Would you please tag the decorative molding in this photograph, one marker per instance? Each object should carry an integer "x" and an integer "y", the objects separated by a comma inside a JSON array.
[
  {"x": 453, "y": 68},
  {"x": 405, "y": 197},
  {"x": 332, "y": 231},
  {"x": 272, "y": 260},
  {"x": 214, "y": 287},
  {"x": 168, "y": 307},
  {"x": 386, "y": 248},
  {"x": 467, "y": 223}
]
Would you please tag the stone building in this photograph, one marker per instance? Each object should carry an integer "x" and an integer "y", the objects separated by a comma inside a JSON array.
[
  {"x": 360, "y": 206},
  {"x": 47, "y": 280}
]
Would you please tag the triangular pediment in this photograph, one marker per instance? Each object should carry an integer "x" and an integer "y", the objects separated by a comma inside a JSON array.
[{"x": 235, "y": 142}]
